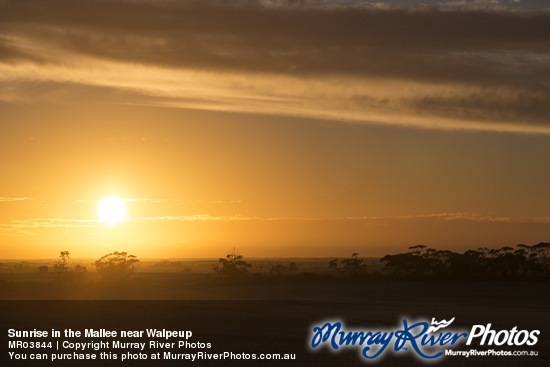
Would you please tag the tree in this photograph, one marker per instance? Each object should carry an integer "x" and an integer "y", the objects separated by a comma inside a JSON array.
[
  {"x": 542, "y": 255},
  {"x": 233, "y": 265},
  {"x": 60, "y": 267},
  {"x": 64, "y": 275},
  {"x": 418, "y": 250},
  {"x": 403, "y": 265},
  {"x": 352, "y": 266},
  {"x": 116, "y": 267}
]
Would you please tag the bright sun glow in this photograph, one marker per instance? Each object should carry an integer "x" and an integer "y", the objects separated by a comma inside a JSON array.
[{"x": 111, "y": 210}]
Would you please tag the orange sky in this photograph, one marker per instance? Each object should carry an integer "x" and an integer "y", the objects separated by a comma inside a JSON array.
[{"x": 297, "y": 145}]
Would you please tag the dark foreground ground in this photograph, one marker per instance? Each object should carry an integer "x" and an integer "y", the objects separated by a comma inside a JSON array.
[{"x": 279, "y": 317}]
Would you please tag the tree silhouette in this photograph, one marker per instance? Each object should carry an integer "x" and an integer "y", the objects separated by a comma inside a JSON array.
[
  {"x": 537, "y": 258},
  {"x": 500, "y": 263},
  {"x": 60, "y": 267},
  {"x": 418, "y": 250},
  {"x": 403, "y": 265},
  {"x": 233, "y": 265},
  {"x": 64, "y": 275},
  {"x": 351, "y": 267},
  {"x": 116, "y": 267}
]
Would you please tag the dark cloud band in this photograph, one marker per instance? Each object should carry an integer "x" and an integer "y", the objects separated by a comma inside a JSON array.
[{"x": 504, "y": 56}]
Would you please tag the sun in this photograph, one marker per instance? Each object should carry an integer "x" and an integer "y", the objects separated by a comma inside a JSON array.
[{"x": 111, "y": 210}]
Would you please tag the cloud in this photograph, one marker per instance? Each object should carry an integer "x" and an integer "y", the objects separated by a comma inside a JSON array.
[
  {"x": 138, "y": 200},
  {"x": 428, "y": 68},
  {"x": 50, "y": 223},
  {"x": 458, "y": 216},
  {"x": 214, "y": 201},
  {"x": 7, "y": 199},
  {"x": 487, "y": 5},
  {"x": 207, "y": 217},
  {"x": 30, "y": 227}
]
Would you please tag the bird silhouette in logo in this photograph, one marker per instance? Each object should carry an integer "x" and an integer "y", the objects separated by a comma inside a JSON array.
[{"x": 439, "y": 325}]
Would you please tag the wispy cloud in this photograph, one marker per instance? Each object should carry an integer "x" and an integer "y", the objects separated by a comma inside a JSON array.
[
  {"x": 32, "y": 226},
  {"x": 457, "y": 216},
  {"x": 215, "y": 201},
  {"x": 485, "y": 5},
  {"x": 428, "y": 68},
  {"x": 146, "y": 200},
  {"x": 51, "y": 223},
  {"x": 208, "y": 217},
  {"x": 8, "y": 199}
]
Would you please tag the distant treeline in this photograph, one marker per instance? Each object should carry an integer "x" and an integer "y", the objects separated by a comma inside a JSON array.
[
  {"x": 506, "y": 262},
  {"x": 420, "y": 262}
]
